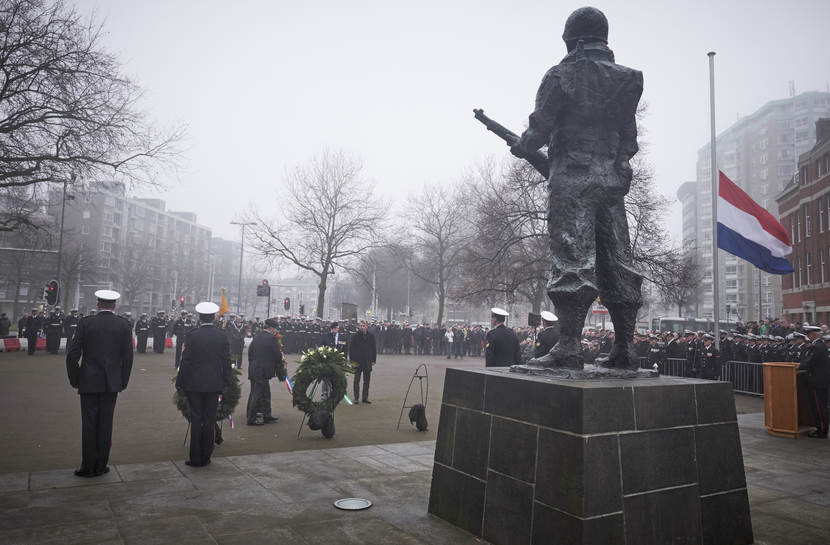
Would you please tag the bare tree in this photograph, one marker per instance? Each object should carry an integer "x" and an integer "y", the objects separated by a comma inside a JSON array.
[
  {"x": 438, "y": 235},
  {"x": 331, "y": 218},
  {"x": 67, "y": 111},
  {"x": 680, "y": 280}
]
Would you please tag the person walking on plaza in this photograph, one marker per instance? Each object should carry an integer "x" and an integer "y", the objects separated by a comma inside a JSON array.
[
  {"x": 142, "y": 331},
  {"x": 816, "y": 362},
  {"x": 265, "y": 361},
  {"x": 205, "y": 371},
  {"x": 363, "y": 354},
  {"x": 158, "y": 327},
  {"x": 33, "y": 327},
  {"x": 99, "y": 359},
  {"x": 502, "y": 346},
  {"x": 54, "y": 329}
]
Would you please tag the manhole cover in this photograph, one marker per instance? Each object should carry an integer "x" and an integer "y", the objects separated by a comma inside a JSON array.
[{"x": 353, "y": 504}]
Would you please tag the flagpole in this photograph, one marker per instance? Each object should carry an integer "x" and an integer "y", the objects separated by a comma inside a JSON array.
[{"x": 715, "y": 172}]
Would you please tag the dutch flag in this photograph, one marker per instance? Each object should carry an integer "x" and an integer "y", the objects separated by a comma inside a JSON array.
[{"x": 748, "y": 231}]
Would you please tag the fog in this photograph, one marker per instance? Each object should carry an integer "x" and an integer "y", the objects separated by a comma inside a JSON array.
[{"x": 263, "y": 85}]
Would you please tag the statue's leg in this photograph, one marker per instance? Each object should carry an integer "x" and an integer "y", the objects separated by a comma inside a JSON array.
[
  {"x": 619, "y": 283},
  {"x": 571, "y": 286}
]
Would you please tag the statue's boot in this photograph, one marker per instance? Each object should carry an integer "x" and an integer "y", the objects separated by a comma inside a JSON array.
[
  {"x": 571, "y": 308},
  {"x": 622, "y": 355}
]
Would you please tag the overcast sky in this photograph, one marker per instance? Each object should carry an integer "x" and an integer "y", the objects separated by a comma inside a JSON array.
[{"x": 263, "y": 85}]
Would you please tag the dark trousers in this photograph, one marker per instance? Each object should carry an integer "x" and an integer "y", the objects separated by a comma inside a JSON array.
[
  {"x": 97, "y": 411},
  {"x": 259, "y": 400},
  {"x": 53, "y": 340},
  {"x": 179, "y": 345},
  {"x": 202, "y": 423},
  {"x": 366, "y": 371},
  {"x": 818, "y": 406},
  {"x": 158, "y": 344},
  {"x": 141, "y": 344},
  {"x": 31, "y": 345}
]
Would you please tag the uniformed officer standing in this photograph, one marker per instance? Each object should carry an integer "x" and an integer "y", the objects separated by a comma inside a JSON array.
[
  {"x": 70, "y": 325},
  {"x": 549, "y": 335},
  {"x": 656, "y": 353},
  {"x": 33, "y": 327},
  {"x": 265, "y": 361},
  {"x": 181, "y": 328},
  {"x": 237, "y": 331},
  {"x": 54, "y": 329},
  {"x": 709, "y": 357},
  {"x": 99, "y": 360},
  {"x": 817, "y": 363},
  {"x": 142, "y": 331},
  {"x": 204, "y": 372},
  {"x": 158, "y": 327},
  {"x": 502, "y": 345}
]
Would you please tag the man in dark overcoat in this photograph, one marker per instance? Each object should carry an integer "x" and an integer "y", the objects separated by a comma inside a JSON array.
[
  {"x": 502, "y": 346},
  {"x": 817, "y": 363},
  {"x": 99, "y": 360},
  {"x": 363, "y": 354},
  {"x": 265, "y": 361},
  {"x": 204, "y": 371}
]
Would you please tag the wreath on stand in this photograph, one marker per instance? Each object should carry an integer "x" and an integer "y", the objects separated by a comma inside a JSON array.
[
  {"x": 230, "y": 399},
  {"x": 320, "y": 364}
]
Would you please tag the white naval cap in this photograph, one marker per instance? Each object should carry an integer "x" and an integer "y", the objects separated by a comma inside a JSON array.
[
  {"x": 207, "y": 307},
  {"x": 811, "y": 328},
  {"x": 549, "y": 316},
  {"x": 499, "y": 312},
  {"x": 107, "y": 295}
]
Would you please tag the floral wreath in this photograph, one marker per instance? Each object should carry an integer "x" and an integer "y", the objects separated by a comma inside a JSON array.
[{"x": 320, "y": 364}]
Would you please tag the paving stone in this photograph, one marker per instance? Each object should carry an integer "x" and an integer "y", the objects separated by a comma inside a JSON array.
[
  {"x": 14, "y": 482},
  {"x": 148, "y": 472},
  {"x": 408, "y": 449},
  {"x": 282, "y": 536},
  {"x": 40, "y": 512},
  {"x": 161, "y": 531},
  {"x": 63, "y": 478},
  {"x": 357, "y": 531},
  {"x": 97, "y": 531}
]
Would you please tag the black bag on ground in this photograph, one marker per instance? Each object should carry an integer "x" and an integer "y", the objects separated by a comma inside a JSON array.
[{"x": 418, "y": 416}]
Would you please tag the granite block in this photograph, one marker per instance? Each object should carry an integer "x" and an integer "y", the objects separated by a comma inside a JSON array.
[
  {"x": 552, "y": 526},
  {"x": 715, "y": 403},
  {"x": 508, "y": 510},
  {"x": 446, "y": 435},
  {"x": 534, "y": 401},
  {"x": 607, "y": 409},
  {"x": 665, "y": 406},
  {"x": 578, "y": 475},
  {"x": 720, "y": 464},
  {"x": 472, "y": 442},
  {"x": 668, "y": 516},
  {"x": 464, "y": 388},
  {"x": 726, "y": 519},
  {"x": 513, "y": 449},
  {"x": 657, "y": 459},
  {"x": 457, "y": 498}
]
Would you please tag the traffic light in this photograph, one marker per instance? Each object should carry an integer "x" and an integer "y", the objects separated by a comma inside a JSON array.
[
  {"x": 181, "y": 302},
  {"x": 263, "y": 290},
  {"x": 286, "y": 304},
  {"x": 302, "y": 309},
  {"x": 50, "y": 292}
]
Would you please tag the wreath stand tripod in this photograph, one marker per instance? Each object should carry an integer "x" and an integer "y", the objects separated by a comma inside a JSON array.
[
  {"x": 305, "y": 415},
  {"x": 420, "y": 375},
  {"x": 187, "y": 431}
]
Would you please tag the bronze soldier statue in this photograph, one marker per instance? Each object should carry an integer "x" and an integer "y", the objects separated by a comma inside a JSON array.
[{"x": 585, "y": 114}]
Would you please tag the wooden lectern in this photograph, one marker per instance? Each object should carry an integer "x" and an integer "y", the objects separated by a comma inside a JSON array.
[{"x": 786, "y": 409}]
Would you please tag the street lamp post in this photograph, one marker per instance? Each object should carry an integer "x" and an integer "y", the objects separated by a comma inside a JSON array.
[
  {"x": 241, "y": 252},
  {"x": 60, "y": 242}
]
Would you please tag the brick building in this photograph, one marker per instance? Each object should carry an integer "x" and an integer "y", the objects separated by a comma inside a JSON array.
[{"x": 804, "y": 209}]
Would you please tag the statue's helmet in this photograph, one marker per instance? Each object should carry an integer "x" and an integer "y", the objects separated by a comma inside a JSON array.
[{"x": 587, "y": 24}]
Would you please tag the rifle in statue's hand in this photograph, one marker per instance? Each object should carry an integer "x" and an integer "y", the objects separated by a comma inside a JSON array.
[{"x": 537, "y": 159}]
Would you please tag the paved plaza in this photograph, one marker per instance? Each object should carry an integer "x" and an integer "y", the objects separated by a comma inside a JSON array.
[{"x": 263, "y": 496}]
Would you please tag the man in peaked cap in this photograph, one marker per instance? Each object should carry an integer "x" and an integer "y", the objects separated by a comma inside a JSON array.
[
  {"x": 816, "y": 362},
  {"x": 502, "y": 346},
  {"x": 205, "y": 370},
  {"x": 158, "y": 328},
  {"x": 99, "y": 360},
  {"x": 265, "y": 361},
  {"x": 549, "y": 335}
]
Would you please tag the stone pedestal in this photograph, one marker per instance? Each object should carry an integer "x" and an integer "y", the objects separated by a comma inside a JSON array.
[{"x": 535, "y": 461}]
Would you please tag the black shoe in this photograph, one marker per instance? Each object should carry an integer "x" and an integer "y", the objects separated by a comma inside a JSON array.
[
  {"x": 270, "y": 419},
  {"x": 192, "y": 464},
  {"x": 255, "y": 424},
  {"x": 817, "y": 435},
  {"x": 367, "y": 401},
  {"x": 356, "y": 401},
  {"x": 102, "y": 471},
  {"x": 80, "y": 472}
]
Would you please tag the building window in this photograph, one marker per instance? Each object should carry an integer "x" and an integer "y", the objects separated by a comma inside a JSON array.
[
  {"x": 798, "y": 228},
  {"x": 107, "y": 231},
  {"x": 821, "y": 214},
  {"x": 86, "y": 214},
  {"x": 821, "y": 257},
  {"x": 808, "y": 226},
  {"x": 798, "y": 278},
  {"x": 108, "y": 217},
  {"x": 809, "y": 269},
  {"x": 84, "y": 229}
]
